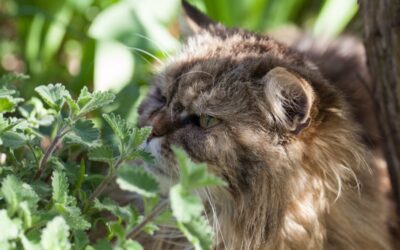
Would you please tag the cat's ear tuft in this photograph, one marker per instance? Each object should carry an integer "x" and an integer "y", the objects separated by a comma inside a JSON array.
[
  {"x": 195, "y": 20},
  {"x": 290, "y": 98}
]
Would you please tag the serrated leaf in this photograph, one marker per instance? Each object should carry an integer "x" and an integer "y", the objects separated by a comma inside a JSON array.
[
  {"x": 53, "y": 95},
  {"x": 144, "y": 155},
  {"x": 118, "y": 125},
  {"x": 11, "y": 228},
  {"x": 55, "y": 235},
  {"x": 13, "y": 140},
  {"x": 194, "y": 175},
  {"x": 97, "y": 100},
  {"x": 83, "y": 133},
  {"x": 139, "y": 135},
  {"x": 101, "y": 153},
  {"x": 25, "y": 214},
  {"x": 72, "y": 105},
  {"x": 122, "y": 212},
  {"x": 84, "y": 97},
  {"x": 15, "y": 191},
  {"x": 185, "y": 206},
  {"x": 60, "y": 186},
  {"x": 35, "y": 113},
  {"x": 137, "y": 180},
  {"x": 81, "y": 239},
  {"x": 73, "y": 217},
  {"x": 198, "y": 232}
]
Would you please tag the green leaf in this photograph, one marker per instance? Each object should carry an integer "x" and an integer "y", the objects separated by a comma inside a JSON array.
[
  {"x": 137, "y": 180},
  {"x": 72, "y": 105},
  {"x": 198, "y": 232},
  {"x": 97, "y": 100},
  {"x": 144, "y": 155},
  {"x": 7, "y": 104},
  {"x": 55, "y": 235},
  {"x": 84, "y": 97},
  {"x": 53, "y": 95},
  {"x": 13, "y": 140},
  {"x": 60, "y": 187},
  {"x": 103, "y": 244},
  {"x": 139, "y": 135},
  {"x": 35, "y": 113},
  {"x": 15, "y": 192},
  {"x": 83, "y": 133},
  {"x": 10, "y": 228},
  {"x": 116, "y": 229},
  {"x": 81, "y": 239},
  {"x": 185, "y": 206},
  {"x": 194, "y": 175},
  {"x": 73, "y": 217},
  {"x": 8, "y": 100},
  {"x": 118, "y": 125},
  {"x": 101, "y": 153},
  {"x": 132, "y": 245},
  {"x": 27, "y": 244},
  {"x": 25, "y": 214},
  {"x": 126, "y": 213}
]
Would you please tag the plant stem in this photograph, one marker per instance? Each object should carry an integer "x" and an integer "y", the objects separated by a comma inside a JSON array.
[
  {"x": 33, "y": 153},
  {"x": 50, "y": 150},
  {"x": 156, "y": 211},
  {"x": 105, "y": 181}
]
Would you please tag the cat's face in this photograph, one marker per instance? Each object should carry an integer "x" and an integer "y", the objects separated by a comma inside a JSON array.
[{"x": 230, "y": 99}]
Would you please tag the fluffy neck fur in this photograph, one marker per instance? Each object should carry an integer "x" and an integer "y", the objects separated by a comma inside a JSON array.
[{"x": 322, "y": 198}]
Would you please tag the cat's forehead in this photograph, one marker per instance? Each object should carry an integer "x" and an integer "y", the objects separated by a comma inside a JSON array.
[{"x": 213, "y": 71}]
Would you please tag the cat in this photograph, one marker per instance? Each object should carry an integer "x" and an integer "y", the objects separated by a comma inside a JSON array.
[{"x": 269, "y": 120}]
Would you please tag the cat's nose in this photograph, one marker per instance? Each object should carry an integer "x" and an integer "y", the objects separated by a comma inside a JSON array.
[{"x": 160, "y": 125}]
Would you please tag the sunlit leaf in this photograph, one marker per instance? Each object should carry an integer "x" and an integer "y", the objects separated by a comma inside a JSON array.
[
  {"x": 55, "y": 235},
  {"x": 60, "y": 186},
  {"x": 11, "y": 228},
  {"x": 198, "y": 232},
  {"x": 137, "y": 180},
  {"x": 185, "y": 206},
  {"x": 52, "y": 95}
]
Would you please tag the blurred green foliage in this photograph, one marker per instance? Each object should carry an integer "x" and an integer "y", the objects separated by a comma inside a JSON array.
[{"x": 116, "y": 44}]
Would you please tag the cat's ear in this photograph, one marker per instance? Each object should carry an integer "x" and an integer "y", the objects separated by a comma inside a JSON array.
[
  {"x": 290, "y": 98},
  {"x": 195, "y": 20}
]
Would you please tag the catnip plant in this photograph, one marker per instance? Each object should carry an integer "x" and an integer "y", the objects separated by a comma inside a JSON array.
[{"x": 55, "y": 169}]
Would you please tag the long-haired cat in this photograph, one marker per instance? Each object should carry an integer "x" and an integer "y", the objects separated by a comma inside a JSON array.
[{"x": 268, "y": 121}]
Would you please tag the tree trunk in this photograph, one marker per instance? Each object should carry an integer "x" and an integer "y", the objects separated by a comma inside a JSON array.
[{"x": 382, "y": 42}]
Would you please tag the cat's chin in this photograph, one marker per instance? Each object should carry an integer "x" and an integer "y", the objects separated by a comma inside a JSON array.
[{"x": 160, "y": 167}]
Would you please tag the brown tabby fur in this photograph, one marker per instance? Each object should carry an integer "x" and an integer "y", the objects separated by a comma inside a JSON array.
[{"x": 287, "y": 144}]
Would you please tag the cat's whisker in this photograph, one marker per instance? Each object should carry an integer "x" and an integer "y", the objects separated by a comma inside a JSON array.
[
  {"x": 164, "y": 51},
  {"x": 146, "y": 53},
  {"x": 215, "y": 218}
]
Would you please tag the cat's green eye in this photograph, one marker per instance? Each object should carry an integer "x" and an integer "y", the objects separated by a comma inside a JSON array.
[{"x": 207, "y": 121}]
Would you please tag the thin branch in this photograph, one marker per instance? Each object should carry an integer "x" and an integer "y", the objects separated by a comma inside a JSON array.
[
  {"x": 50, "y": 150},
  {"x": 156, "y": 211},
  {"x": 105, "y": 182}
]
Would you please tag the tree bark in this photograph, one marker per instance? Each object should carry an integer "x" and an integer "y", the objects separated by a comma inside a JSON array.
[{"x": 381, "y": 20}]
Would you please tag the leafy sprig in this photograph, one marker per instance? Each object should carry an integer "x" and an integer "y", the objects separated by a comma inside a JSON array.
[{"x": 52, "y": 176}]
